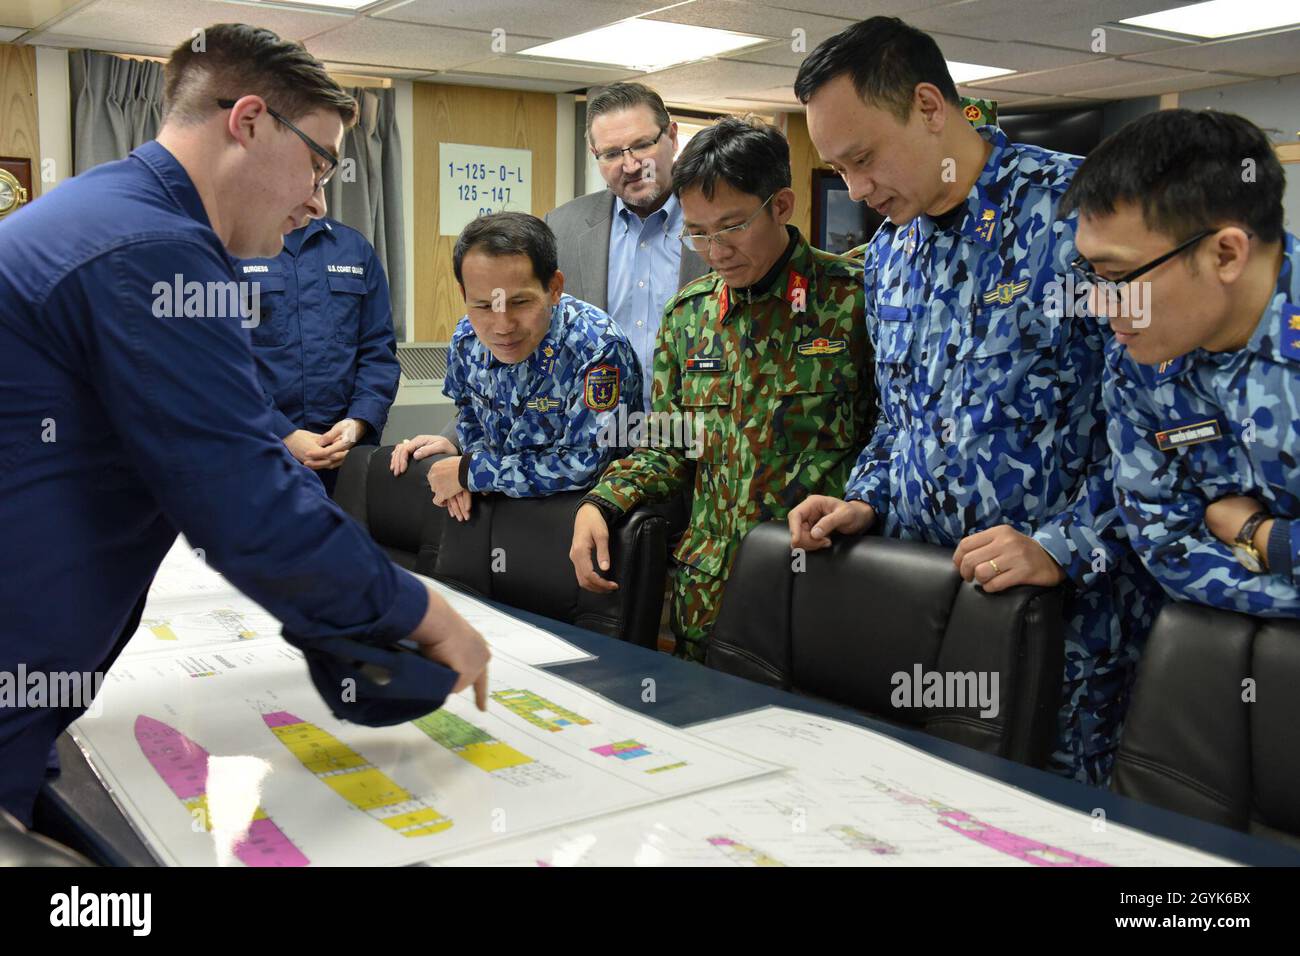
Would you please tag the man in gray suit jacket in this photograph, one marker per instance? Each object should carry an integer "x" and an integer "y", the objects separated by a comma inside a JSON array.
[{"x": 619, "y": 248}]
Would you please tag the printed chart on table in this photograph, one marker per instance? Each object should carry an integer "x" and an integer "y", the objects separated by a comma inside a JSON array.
[
  {"x": 853, "y": 798},
  {"x": 190, "y": 606},
  {"x": 228, "y": 756}
]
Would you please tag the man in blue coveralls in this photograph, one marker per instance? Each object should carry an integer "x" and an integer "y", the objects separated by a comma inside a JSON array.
[
  {"x": 324, "y": 343},
  {"x": 130, "y": 410},
  {"x": 991, "y": 438},
  {"x": 538, "y": 377},
  {"x": 1203, "y": 387}
]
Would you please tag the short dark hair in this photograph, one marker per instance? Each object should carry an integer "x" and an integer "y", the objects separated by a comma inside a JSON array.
[
  {"x": 509, "y": 234},
  {"x": 747, "y": 154},
  {"x": 1186, "y": 170},
  {"x": 886, "y": 58},
  {"x": 230, "y": 60},
  {"x": 626, "y": 96}
]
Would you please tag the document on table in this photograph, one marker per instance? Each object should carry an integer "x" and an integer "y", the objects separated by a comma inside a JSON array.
[
  {"x": 227, "y": 755},
  {"x": 190, "y": 606},
  {"x": 852, "y": 797}
]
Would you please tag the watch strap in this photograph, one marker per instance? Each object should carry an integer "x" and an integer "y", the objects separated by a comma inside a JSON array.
[{"x": 1246, "y": 536}]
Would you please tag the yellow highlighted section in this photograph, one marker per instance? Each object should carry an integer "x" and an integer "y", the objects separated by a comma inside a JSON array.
[
  {"x": 367, "y": 789},
  {"x": 358, "y": 781},
  {"x": 163, "y": 632},
  {"x": 494, "y": 756},
  {"x": 319, "y": 752},
  {"x": 421, "y": 822},
  {"x": 667, "y": 766}
]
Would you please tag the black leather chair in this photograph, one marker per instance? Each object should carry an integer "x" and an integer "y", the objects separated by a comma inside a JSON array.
[
  {"x": 870, "y": 608},
  {"x": 1194, "y": 742},
  {"x": 512, "y": 550},
  {"x": 22, "y": 847},
  {"x": 398, "y": 512}
]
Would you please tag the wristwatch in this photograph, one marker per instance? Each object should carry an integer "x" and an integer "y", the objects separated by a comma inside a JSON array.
[{"x": 1244, "y": 544}]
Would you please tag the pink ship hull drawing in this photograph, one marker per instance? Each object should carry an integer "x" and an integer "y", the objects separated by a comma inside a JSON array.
[
  {"x": 995, "y": 838},
  {"x": 183, "y": 765}
]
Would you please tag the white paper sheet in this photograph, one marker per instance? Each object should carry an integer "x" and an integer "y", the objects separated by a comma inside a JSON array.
[
  {"x": 852, "y": 798},
  {"x": 509, "y": 634},
  {"x": 227, "y": 755},
  {"x": 192, "y": 607}
]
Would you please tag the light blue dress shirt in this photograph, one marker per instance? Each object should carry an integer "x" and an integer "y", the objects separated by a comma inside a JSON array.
[{"x": 645, "y": 257}]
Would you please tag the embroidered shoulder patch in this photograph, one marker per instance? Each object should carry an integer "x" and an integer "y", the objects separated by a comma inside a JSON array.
[{"x": 600, "y": 389}]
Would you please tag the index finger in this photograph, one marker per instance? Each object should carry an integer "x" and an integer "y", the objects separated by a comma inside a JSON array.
[
  {"x": 588, "y": 579},
  {"x": 797, "y": 525},
  {"x": 481, "y": 689}
]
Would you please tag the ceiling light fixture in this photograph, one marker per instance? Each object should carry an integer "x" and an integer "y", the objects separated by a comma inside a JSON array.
[
  {"x": 645, "y": 45},
  {"x": 1215, "y": 19}
]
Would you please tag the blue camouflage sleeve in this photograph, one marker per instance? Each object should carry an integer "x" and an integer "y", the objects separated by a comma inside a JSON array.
[
  {"x": 1165, "y": 512},
  {"x": 869, "y": 479},
  {"x": 584, "y": 445},
  {"x": 1089, "y": 537},
  {"x": 469, "y": 430}
]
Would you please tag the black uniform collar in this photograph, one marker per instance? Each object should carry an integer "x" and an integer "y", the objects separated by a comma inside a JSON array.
[{"x": 764, "y": 284}]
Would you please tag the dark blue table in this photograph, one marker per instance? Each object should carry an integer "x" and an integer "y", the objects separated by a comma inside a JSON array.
[{"x": 77, "y": 810}]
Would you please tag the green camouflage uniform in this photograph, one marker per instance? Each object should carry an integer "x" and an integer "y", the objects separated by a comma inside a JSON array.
[{"x": 787, "y": 401}]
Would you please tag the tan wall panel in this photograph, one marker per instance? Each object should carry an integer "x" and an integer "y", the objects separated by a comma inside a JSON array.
[
  {"x": 19, "y": 135},
  {"x": 482, "y": 117},
  {"x": 803, "y": 160}
]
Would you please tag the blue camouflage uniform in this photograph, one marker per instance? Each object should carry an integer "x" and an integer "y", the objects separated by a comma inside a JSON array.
[
  {"x": 1205, "y": 426},
  {"x": 535, "y": 428},
  {"x": 991, "y": 414},
  {"x": 324, "y": 339},
  {"x": 129, "y": 410}
]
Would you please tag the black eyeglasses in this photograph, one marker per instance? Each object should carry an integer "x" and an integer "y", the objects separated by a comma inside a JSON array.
[
  {"x": 638, "y": 150},
  {"x": 331, "y": 161},
  {"x": 699, "y": 241},
  {"x": 1084, "y": 270}
]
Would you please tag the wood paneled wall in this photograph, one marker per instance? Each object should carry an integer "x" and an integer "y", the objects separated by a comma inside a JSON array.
[
  {"x": 479, "y": 116},
  {"x": 19, "y": 135},
  {"x": 803, "y": 160}
]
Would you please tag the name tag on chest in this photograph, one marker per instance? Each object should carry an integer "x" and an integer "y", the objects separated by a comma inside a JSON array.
[
  {"x": 1193, "y": 433},
  {"x": 704, "y": 365}
]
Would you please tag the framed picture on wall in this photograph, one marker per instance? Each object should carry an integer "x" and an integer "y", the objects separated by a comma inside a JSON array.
[{"x": 839, "y": 223}]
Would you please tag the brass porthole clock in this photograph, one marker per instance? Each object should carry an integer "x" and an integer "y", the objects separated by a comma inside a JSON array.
[{"x": 14, "y": 192}]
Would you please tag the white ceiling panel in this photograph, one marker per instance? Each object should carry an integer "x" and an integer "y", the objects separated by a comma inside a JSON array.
[
  {"x": 1010, "y": 55},
  {"x": 1006, "y": 98},
  {"x": 1189, "y": 81},
  {"x": 535, "y": 18},
  {"x": 574, "y": 74},
  {"x": 411, "y": 46},
  {"x": 782, "y": 95},
  {"x": 1084, "y": 76},
  {"x": 740, "y": 16},
  {"x": 1063, "y": 23},
  {"x": 1047, "y": 42},
  {"x": 1275, "y": 55},
  {"x": 168, "y": 22},
  {"x": 29, "y": 14},
  {"x": 70, "y": 42},
  {"x": 372, "y": 69},
  {"x": 713, "y": 80},
  {"x": 854, "y": 10}
]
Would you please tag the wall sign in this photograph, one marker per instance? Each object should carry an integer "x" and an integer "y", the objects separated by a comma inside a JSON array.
[{"x": 476, "y": 180}]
